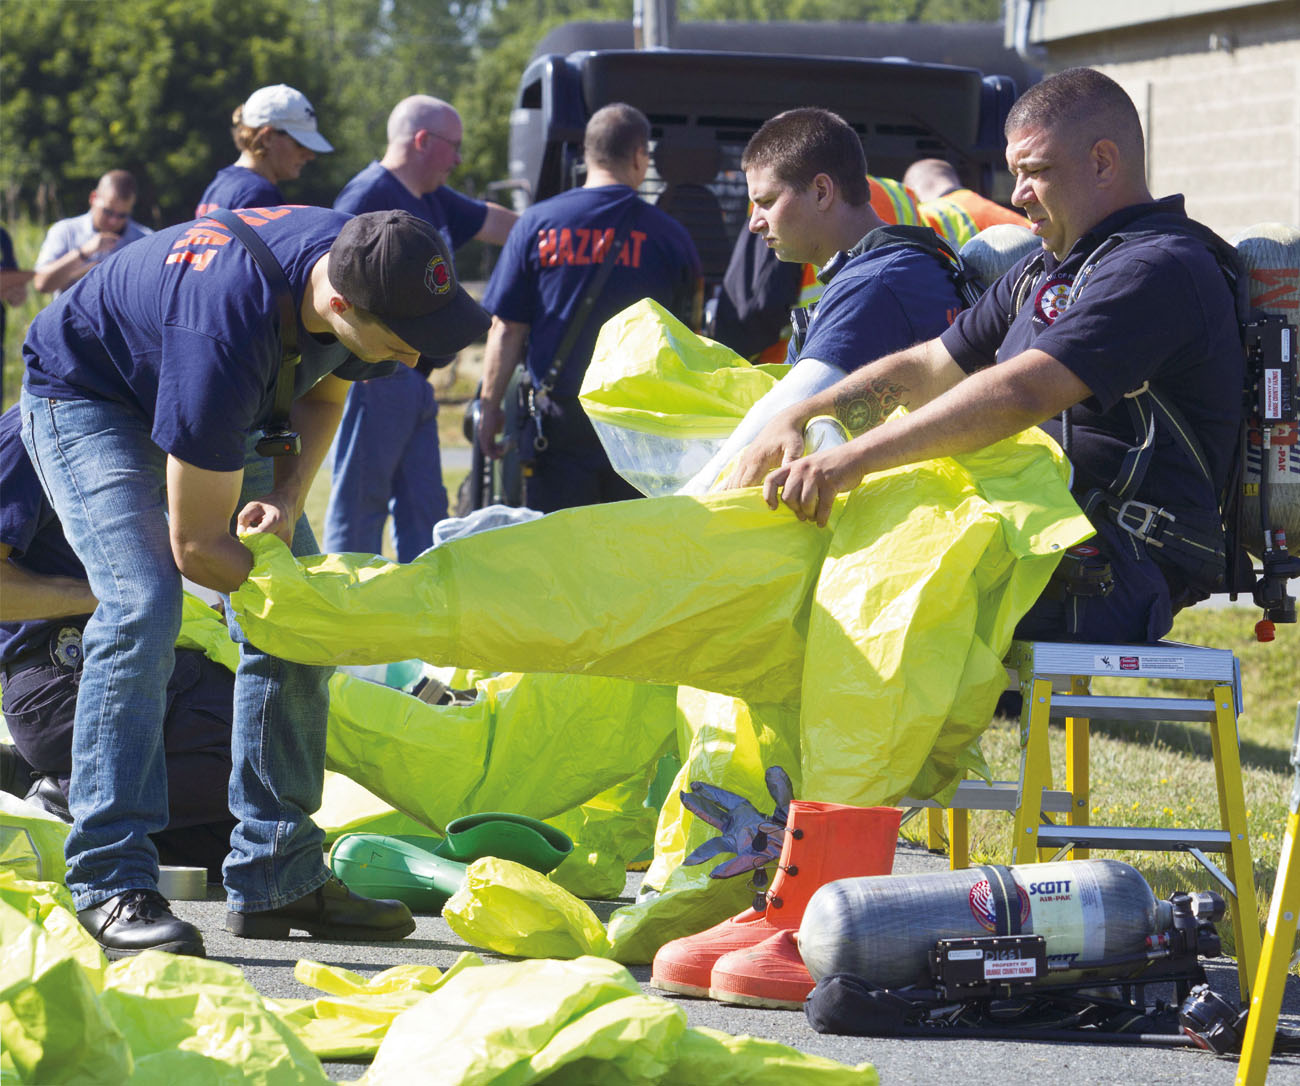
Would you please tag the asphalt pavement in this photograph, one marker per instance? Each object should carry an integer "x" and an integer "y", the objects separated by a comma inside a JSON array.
[{"x": 269, "y": 968}]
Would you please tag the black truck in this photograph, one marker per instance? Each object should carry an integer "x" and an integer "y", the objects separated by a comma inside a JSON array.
[{"x": 706, "y": 99}]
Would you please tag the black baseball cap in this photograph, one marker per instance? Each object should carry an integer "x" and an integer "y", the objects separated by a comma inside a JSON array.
[{"x": 398, "y": 267}]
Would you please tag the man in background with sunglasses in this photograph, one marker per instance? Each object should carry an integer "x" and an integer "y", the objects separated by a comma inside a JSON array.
[
  {"x": 386, "y": 457},
  {"x": 74, "y": 246}
]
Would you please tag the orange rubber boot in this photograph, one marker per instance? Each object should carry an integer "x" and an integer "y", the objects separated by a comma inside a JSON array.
[
  {"x": 771, "y": 974},
  {"x": 823, "y": 842}
]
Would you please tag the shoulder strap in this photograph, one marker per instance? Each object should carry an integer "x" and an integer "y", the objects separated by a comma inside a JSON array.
[
  {"x": 289, "y": 353},
  {"x": 1197, "y": 549},
  {"x": 923, "y": 238},
  {"x": 588, "y": 301},
  {"x": 1025, "y": 283}
]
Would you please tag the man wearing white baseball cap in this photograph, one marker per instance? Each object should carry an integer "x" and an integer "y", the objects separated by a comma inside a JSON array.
[{"x": 275, "y": 131}]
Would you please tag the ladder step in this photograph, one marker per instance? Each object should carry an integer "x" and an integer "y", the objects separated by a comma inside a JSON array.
[
  {"x": 1116, "y": 708},
  {"x": 1137, "y": 838},
  {"x": 1166, "y": 659},
  {"x": 995, "y": 796}
]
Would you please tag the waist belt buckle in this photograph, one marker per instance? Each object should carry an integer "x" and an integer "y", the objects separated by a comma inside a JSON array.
[{"x": 1149, "y": 520}]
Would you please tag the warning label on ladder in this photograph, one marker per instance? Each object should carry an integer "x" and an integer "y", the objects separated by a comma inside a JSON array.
[{"x": 1129, "y": 663}]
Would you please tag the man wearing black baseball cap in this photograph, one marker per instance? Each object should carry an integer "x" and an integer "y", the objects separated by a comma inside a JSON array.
[{"x": 144, "y": 386}]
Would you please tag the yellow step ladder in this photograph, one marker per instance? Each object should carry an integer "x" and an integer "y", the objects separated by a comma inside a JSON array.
[{"x": 1055, "y": 681}]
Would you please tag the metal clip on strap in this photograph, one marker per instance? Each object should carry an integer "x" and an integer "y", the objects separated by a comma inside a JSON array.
[
  {"x": 1143, "y": 520},
  {"x": 540, "y": 442}
]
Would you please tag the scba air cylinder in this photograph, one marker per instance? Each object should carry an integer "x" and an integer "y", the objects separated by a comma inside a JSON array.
[{"x": 881, "y": 928}]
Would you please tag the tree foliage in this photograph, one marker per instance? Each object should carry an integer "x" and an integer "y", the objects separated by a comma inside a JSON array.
[{"x": 149, "y": 85}]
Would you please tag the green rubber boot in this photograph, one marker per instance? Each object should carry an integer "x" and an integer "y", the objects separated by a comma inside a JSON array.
[
  {"x": 506, "y": 836},
  {"x": 384, "y": 866}
]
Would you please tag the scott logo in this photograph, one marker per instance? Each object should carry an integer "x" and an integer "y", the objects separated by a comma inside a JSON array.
[
  {"x": 1057, "y": 886},
  {"x": 437, "y": 276}
]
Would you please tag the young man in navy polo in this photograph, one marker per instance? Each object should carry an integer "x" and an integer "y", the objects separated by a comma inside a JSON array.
[
  {"x": 144, "y": 387},
  {"x": 886, "y": 286}
]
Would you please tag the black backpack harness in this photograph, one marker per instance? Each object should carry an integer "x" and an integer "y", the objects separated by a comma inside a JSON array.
[{"x": 1198, "y": 550}]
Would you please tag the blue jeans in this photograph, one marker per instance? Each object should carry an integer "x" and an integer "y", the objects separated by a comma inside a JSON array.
[
  {"x": 105, "y": 478},
  {"x": 386, "y": 458}
]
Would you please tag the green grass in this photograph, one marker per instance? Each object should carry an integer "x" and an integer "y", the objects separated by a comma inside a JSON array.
[
  {"x": 27, "y": 237},
  {"x": 1162, "y": 775}
]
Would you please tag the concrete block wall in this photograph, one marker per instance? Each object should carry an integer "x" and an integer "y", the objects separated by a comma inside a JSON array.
[{"x": 1219, "y": 97}]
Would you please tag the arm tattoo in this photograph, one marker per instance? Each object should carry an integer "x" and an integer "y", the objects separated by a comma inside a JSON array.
[{"x": 860, "y": 411}]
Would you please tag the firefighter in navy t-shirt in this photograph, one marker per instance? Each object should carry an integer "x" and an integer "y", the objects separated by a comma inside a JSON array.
[
  {"x": 549, "y": 260},
  {"x": 386, "y": 455},
  {"x": 44, "y": 603},
  {"x": 143, "y": 386},
  {"x": 1155, "y": 317}
]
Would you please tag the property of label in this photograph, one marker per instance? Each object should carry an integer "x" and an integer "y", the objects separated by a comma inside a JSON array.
[
  {"x": 1005, "y": 968},
  {"x": 1124, "y": 663},
  {"x": 1273, "y": 393}
]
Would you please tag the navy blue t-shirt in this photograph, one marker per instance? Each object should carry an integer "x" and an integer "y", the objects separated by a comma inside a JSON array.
[
  {"x": 184, "y": 326},
  {"x": 29, "y": 526},
  {"x": 880, "y": 301},
  {"x": 237, "y": 187},
  {"x": 457, "y": 217},
  {"x": 553, "y": 251},
  {"x": 1154, "y": 309}
]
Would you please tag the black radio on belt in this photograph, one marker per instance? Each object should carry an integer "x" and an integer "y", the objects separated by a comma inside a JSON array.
[
  {"x": 279, "y": 443},
  {"x": 1083, "y": 571}
]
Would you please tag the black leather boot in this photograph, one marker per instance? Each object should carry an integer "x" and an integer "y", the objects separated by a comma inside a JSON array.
[
  {"x": 15, "y": 773},
  {"x": 46, "y": 794},
  {"x": 331, "y": 912},
  {"x": 137, "y": 920}
]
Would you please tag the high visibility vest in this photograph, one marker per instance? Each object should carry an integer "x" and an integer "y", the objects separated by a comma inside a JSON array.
[
  {"x": 893, "y": 201},
  {"x": 961, "y": 214}
]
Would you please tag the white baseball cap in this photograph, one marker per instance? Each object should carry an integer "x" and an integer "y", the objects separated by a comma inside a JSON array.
[{"x": 288, "y": 110}]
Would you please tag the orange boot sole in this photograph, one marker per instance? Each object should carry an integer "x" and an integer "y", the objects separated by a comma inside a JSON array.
[
  {"x": 685, "y": 966},
  {"x": 768, "y": 974}
]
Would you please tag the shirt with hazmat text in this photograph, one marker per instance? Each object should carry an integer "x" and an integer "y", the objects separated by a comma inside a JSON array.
[{"x": 555, "y": 249}]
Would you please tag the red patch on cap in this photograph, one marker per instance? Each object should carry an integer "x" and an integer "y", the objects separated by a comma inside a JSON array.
[{"x": 437, "y": 276}]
